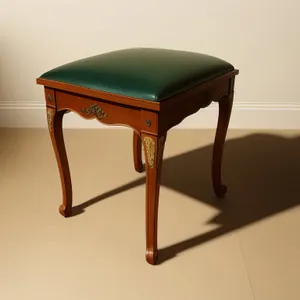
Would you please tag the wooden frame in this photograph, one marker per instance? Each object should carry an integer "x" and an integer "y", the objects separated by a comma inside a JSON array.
[{"x": 150, "y": 122}]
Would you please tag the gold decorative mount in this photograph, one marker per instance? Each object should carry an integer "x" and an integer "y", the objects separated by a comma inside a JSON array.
[
  {"x": 150, "y": 147},
  {"x": 50, "y": 119},
  {"x": 96, "y": 111},
  {"x": 150, "y": 150}
]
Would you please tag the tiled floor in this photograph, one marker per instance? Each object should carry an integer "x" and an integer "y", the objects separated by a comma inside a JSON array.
[{"x": 246, "y": 246}]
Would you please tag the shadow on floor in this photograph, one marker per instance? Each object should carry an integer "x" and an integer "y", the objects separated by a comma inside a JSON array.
[{"x": 262, "y": 173}]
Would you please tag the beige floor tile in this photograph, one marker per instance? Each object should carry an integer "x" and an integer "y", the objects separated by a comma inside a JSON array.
[
  {"x": 271, "y": 252},
  {"x": 99, "y": 253}
]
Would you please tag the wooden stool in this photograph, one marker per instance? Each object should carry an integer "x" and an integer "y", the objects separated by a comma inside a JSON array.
[{"x": 149, "y": 90}]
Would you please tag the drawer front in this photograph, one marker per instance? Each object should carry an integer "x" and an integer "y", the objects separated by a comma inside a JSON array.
[{"x": 108, "y": 112}]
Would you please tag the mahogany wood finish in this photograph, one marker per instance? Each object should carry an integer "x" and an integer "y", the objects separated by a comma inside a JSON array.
[{"x": 150, "y": 122}]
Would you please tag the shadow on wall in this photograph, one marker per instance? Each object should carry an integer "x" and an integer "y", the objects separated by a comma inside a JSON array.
[{"x": 262, "y": 173}]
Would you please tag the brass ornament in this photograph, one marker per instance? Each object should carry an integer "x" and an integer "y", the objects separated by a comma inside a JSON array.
[
  {"x": 50, "y": 115},
  {"x": 150, "y": 150},
  {"x": 96, "y": 111}
]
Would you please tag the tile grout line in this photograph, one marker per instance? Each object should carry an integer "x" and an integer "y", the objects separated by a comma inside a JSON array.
[{"x": 247, "y": 271}]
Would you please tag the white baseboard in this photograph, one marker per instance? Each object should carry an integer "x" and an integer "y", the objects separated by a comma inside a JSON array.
[{"x": 254, "y": 115}]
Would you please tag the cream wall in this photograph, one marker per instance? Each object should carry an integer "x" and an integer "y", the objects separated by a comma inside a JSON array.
[{"x": 261, "y": 38}]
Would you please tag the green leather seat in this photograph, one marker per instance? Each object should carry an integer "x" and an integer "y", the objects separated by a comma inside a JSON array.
[{"x": 144, "y": 73}]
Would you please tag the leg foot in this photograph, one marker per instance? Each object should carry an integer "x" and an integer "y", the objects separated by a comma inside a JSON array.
[
  {"x": 220, "y": 190},
  {"x": 151, "y": 256},
  {"x": 64, "y": 212}
]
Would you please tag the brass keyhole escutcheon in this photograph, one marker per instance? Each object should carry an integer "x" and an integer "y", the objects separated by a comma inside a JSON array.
[
  {"x": 148, "y": 123},
  {"x": 50, "y": 97}
]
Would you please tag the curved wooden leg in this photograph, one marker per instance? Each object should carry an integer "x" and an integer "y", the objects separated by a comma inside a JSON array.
[
  {"x": 225, "y": 106},
  {"x": 55, "y": 129},
  {"x": 153, "y": 147},
  {"x": 137, "y": 152}
]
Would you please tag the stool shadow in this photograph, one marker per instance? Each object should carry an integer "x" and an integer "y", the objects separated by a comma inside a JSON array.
[{"x": 262, "y": 172}]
